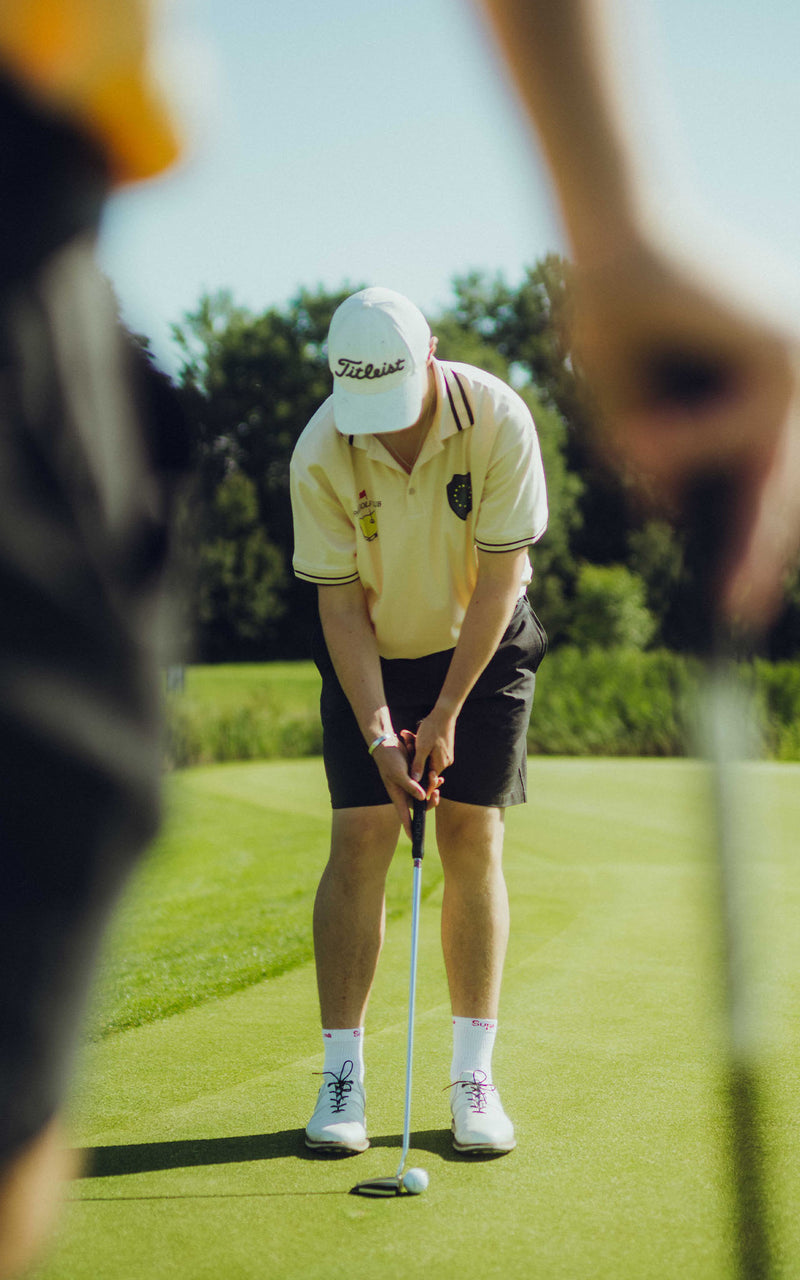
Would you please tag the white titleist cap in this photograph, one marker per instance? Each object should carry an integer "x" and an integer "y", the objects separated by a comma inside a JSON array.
[{"x": 378, "y": 346}]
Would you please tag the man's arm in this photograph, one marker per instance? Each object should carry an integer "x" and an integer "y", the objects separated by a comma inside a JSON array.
[
  {"x": 354, "y": 653},
  {"x": 646, "y": 315},
  {"x": 488, "y": 614}
]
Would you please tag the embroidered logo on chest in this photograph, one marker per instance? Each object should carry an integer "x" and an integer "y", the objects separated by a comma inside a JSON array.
[
  {"x": 459, "y": 495},
  {"x": 366, "y": 517}
]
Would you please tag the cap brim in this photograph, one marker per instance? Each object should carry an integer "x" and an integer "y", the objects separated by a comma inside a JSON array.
[{"x": 367, "y": 412}]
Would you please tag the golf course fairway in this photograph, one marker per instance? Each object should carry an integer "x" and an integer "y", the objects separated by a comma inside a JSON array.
[{"x": 608, "y": 1059}]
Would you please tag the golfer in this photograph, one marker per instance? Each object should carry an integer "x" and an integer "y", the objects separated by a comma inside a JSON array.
[{"x": 417, "y": 489}]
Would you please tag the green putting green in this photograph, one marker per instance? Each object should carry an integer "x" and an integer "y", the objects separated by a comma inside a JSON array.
[{"x": 608, "y": 1058}]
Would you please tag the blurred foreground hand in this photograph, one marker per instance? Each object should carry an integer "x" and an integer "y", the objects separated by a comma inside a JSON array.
[
  {"x": 688, "y": 385},
  {"x": 689, "y": 382}
]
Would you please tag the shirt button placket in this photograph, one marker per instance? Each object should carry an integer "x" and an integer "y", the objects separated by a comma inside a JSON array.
[{"x": 413, "y": 505}]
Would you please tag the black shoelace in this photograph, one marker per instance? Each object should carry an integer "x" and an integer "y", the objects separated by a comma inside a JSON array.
[{"x": 339, "y": 1086}]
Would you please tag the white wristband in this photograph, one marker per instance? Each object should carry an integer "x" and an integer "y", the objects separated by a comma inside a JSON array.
[{"x": 379, "y": 741}]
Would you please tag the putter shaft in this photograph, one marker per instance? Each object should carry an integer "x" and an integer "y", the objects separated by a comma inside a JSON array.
[
  {"x": 393, "y": 1186},
  {"x": 417, "y": 853}
]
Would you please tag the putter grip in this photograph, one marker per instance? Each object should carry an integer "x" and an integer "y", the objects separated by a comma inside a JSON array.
[{"x": 418, "y": 828}]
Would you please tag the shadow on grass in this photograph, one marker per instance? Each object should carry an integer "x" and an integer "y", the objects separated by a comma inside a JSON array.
[
  {"x": 187, "y": 1153},
  {"x": 438, "y": 1142}
]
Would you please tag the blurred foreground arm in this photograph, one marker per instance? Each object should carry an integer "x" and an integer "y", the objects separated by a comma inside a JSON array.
[{"x": 688, "y": 379}]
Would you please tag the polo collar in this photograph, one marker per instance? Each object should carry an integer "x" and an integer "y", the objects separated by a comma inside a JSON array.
[{"x": 454, "y": 413}]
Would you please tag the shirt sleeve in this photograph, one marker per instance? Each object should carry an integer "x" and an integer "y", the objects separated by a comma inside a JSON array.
[
  {"x": 324, "y": 533},
  {"x": 513, "y": 507}
]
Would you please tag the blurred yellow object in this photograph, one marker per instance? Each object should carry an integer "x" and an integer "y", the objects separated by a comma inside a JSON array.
[{"x": 90, "y": 60}]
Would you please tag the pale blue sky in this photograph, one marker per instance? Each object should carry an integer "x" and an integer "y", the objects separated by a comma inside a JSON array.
[{"x": 368, "y": 142}]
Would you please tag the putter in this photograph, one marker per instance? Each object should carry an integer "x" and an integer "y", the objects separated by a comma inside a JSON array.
[{"x": 394, "y": 1186}]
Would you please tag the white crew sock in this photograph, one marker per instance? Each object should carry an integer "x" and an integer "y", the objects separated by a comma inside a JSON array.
[
  {"x": 473, "y": 1042},
  {"x": 342, "y": 1046}
]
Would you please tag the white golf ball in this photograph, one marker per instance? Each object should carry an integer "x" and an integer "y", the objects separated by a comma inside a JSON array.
[{"x": 415, "y": 1181}]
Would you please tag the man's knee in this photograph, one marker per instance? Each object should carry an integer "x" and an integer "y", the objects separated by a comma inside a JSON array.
[
  {"x": 363, "y": 841},
  {"x": 466, "y": 833}
]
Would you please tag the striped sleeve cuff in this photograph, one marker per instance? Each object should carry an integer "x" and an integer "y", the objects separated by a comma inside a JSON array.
[
  {"x": 325, "y": 579},
  {"x": 517, "y": 544}
]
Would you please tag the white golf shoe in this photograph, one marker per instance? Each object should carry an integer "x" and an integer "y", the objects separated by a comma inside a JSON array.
[
  {"x": 480, "y": 1124},
  {"x": 338, "y": 1122}
]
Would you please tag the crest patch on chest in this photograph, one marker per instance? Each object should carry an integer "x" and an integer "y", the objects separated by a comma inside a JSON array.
[{"x": 459, "y": 495}]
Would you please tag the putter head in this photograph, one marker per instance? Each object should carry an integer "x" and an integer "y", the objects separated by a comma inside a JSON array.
[{"x": 377, "y": 1187}]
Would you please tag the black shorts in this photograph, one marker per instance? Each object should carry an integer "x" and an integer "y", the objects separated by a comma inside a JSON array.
[{"x": 490, "y": 754}]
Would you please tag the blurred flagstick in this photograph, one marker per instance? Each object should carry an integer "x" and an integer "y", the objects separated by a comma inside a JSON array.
[{"x": 727, "y": 738}]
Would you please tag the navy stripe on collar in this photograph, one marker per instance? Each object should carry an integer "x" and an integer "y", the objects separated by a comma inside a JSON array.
[
  {"x": 452, "y": 402},
  {"x": 466, "y": 403},
  {"x": 467, "y": 406}
]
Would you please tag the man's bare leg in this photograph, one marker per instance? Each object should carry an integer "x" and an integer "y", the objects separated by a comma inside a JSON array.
[
  {"x": 349, "y": 924},
  {"x": 349, "y": 912},
  {"x": 474, "y": 940},
  {"x": 475, "y": 919}
]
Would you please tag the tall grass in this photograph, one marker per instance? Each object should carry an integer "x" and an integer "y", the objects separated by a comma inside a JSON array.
[
  {"x": 618, "y": 702},
  {"x": 247, "y": 711},
  {"x": 609, "y": 702},
  {"x": 778, "y": 690}
]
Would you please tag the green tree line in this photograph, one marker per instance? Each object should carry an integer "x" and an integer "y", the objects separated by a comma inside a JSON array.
[{"x": 607, "y": 573}]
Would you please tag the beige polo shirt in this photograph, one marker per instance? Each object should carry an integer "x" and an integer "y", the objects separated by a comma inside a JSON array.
[{"x": 412, "y": 540}]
